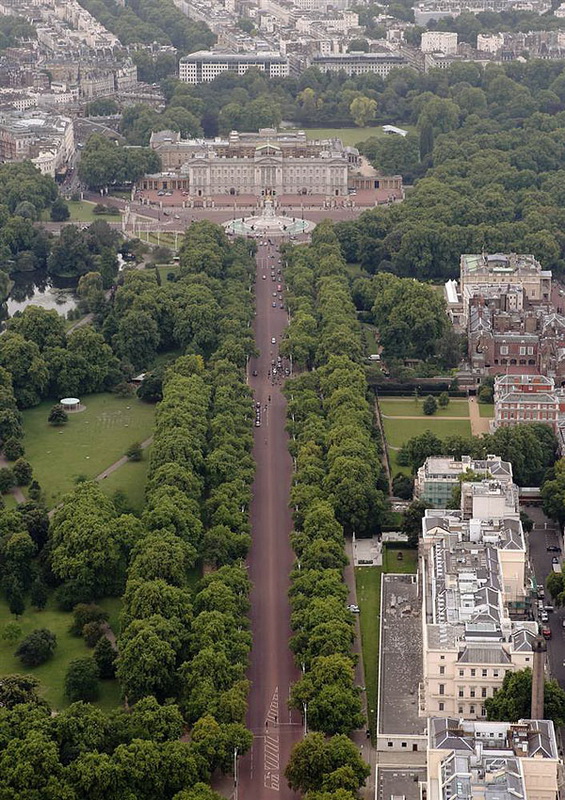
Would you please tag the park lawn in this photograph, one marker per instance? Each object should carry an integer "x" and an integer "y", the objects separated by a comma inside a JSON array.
[
  {"x": 394, "y": 465},
  {"x": 350, "y": 136},
  {"x": 81, "y": 211},
  {"x": 90, "y": 442},
  {"x": 129, "y": 479},
  {"x": 52, "y": 673},
  {"x": 398, "y": 431},
  {"x": 113, "y": 605},
  {"x": 370, "y": 336},
  {"x": 409, "y": 407},
  {"x": 486, "y": 409},
  {"x": 368, "y": 583},
  {"x": 165, "y": 269}
]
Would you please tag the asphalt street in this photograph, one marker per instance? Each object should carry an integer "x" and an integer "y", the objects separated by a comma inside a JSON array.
[
  {"x": 546, "y": 534},
  {"x": 275, "y": 728}
]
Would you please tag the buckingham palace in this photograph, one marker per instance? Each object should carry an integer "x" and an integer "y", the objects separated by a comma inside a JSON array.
[{"x": 267, "y": 163}]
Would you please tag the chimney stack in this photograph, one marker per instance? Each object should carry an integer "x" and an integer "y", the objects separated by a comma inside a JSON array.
[{"x": 539, "y": 649}]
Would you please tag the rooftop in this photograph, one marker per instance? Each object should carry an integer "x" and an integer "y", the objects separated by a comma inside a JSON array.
[
  {"x": 501, "y": 263},
  {"x": 447, "y": 468}
]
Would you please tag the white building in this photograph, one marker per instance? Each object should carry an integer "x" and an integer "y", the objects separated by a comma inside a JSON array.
[
  {"x": 473, "y": 575},
  {"x": 439, "y": 42},
  {"x": 205, "y": 65},
  {"x": 439, "y": 475},
  {"x": 360, "y": 63},
  {"x": 490, "y": 42},
  {"x": 492, "y": 760}
]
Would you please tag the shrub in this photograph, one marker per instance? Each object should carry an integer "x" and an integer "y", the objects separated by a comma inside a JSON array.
[
  {"x": 38, "y": 594},
  {"x": 134, "y": 452},
  {"x": 83, "y": 614},
  {"x": 23, "y": 472},
  {"x": 7, "y": 480},
  {"x": 57, "y": 415},
  {"x": 37, "y": 648},
  {"x": 430, "y": 405},
  {"x": 13, "y": 449},
  {"x": 105, "y": 657},
  {"x": 92, "y": 633}
]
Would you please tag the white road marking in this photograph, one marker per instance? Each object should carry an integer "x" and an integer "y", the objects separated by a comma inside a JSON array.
[{"x": 271, "y": 746}]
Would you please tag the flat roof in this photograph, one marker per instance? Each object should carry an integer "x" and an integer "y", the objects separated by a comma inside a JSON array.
[
  {"x": 394, "y": 782},
  {"x": 401, "y": 657}
]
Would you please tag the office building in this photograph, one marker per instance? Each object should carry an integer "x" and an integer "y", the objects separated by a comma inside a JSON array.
[
  {"x": 440, "y": 475},
  {"x": 205, "y": 65}
]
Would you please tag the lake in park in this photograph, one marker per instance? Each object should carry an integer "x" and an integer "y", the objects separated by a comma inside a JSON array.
[{"x": 40, "y": 289}]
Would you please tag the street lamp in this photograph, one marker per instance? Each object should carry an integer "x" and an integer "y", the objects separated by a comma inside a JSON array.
[
  {"x": 235, "y": 786},
  {"x": 305, "y": 710}
]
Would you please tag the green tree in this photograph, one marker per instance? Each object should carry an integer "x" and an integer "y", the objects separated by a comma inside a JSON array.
[
  {"x": 105, "y": 658},
  {"x": 18, "y": 689},
  {"x": 429, "y": 406},
  {"x": 513, "y": 700},
  {"x": 7, "y": 480},
  {"x": 59, "y": 211},
  {"x": 37, "y": 647},
  {"x": 134, "y": 452},
  {"x": 81, "y": 680},
  {"x": 23, "y": 472},
  {"x": 39, "y": 594},
  {"x": 11, "y": 633},
  {"x": 443, "y": 400},
  {"x": 315, "y": 759},
  {"x": 412, "y": 522},
  {"x": 363, "y": 110}
]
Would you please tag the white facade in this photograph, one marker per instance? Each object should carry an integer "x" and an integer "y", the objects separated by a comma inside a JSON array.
[
  {"x": 205, "y": 65},
  {"x": 359, "y": 63},
  {"x": 439, "y": 42},
  {"x": 490, "y": 42}
]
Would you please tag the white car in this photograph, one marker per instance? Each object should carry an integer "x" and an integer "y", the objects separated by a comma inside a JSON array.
[
  {"x": 353, "y": 608},
  {"x": 264, "y": 277},
  {"x": 544, "y": 616},
  {"x": 273, "y": 340}
]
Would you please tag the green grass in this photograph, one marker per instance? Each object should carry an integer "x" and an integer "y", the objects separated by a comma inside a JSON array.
[
  {"x": 113, "y": 605},
  {"x": 81, "y": 211},
  {"x": 486, "y": 409},
  {"x": 408, "y": 407},
  {"x": 52, "y": 674},
  {"x": 129, "y": 479},
  {"x": 90, "y": 442},
  {"x": 164, "y": 271},
  {"x": 349, "y": 136},
  {"x": 394, "y": 465},
  {"x": 398, "y": 431},
  {"x": 368, "y": 583},
  {"x": 369, "y": 334}
]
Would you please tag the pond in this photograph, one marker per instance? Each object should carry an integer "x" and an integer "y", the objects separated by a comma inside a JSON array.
[{"x": 40, "y": 289}]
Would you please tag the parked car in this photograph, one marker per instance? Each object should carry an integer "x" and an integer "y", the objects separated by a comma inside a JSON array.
[
  {"x": 353, "y": 608},
  {"x": 544, "y": 616},
  {"x": 555, "y": 560},
  {"x": 553, "y": 548}
]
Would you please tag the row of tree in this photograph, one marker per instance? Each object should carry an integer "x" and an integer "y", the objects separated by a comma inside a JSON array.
[
  {"x": 83, "y": 752},
  {"x": 105, "y": 163},
  {"x": 195, "y": 648},
  {"x": 334, "y": 490}
]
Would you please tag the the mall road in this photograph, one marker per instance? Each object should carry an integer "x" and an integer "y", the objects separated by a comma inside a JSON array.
[
  {"x": 546, "y": 534},
  {"x": 275, "y": 728}
]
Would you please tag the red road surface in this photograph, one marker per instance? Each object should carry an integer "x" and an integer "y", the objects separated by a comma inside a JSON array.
[{"x": 272, "y": 671}]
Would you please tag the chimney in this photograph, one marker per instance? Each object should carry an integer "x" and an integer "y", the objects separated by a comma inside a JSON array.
[{"x": 539, "y": 648}]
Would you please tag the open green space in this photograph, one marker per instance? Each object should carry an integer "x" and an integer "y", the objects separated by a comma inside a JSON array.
[
  {"x": 165, "y": 269},
  {"x": 90, "y": 442},
  {"x": 81, "y": 211},
  {"x": 52, "y": 673},
  {"x": 368, "y": 583},
  {"x": 486, "y": 409},
  {"x": 410, "y": 407},
  {"x": 398, "y": 431},
  {"x": 129, "y": 479},
  {"x": 394, "y": 465},
  {"x": 349, "y": 136}
]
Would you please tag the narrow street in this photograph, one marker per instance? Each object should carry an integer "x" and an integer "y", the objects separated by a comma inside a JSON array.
[{"x": 275, "y": 728}]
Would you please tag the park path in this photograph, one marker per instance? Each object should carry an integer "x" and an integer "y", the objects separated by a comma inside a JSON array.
[
  {"x": 479, "y": 425},
  {"x": 108, "y": 471},
  {"x": 424, "y": 417}
]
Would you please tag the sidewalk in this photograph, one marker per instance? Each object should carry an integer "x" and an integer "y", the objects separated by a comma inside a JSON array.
[{"x": 479, "y": 425}]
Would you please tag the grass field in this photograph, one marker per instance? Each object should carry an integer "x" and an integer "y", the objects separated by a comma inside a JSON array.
[
  {"x": 129, "y": 479},
  {"x": 368, "y": 582},
  {"x": 398, "y": 431},
  {"x": 81, "y": 211},
  {"x": 52, "y": 674},
  {"x": 486, "y": 409},
  {"x": 409, "y": 407},
  {"x": 349, "y": 136},
  {"x": 91, "y": 440}
]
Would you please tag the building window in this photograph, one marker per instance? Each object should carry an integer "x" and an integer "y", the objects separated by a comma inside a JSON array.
[
  {"x": 471, "y": 709},
  {"x": 442, "y": 670},
  {"x": 495, "y": 673},
  {"x": 442, "y": 688},
  {"x": 460, "y": 709},
  {"x": 473, "y": 673},
  {"x": 503, "y": 350},
  {"x": 484, "y": 673},
  {"x": 472, "y": 693},
  {"x": 461, "y": 673},
  {"x": 389, "y": 744},
  {"x": 441, "y": 706},
  {"x": 403, "y": 744},
  {"x": 483, "y": 711},
  {"x": 483, "y": 692},
  {"x": 461, "y": 693}
]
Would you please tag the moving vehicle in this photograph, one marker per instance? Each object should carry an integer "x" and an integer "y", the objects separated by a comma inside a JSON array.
[
  {"x": 553, "y": 548},
  {"x": 546, "y": 632},
  {"x": 274, "y": 304},
  {"x": 544, "y": 616},
  {"x": 273, "y": 340},
  {"x": 264, "y": 277},
  {"x": 255, "y": 373},
  {"x": 353, "y": 608},
  {"x": 555, "y": 560}
]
